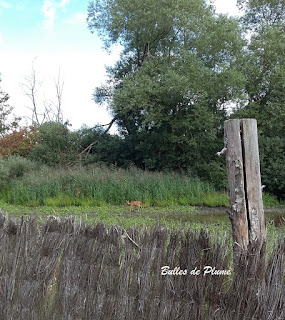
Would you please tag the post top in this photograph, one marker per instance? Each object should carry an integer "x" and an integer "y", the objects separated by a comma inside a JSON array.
[{"x": 242, "y": 119}]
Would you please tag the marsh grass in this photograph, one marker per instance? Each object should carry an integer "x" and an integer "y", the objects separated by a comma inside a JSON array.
[{"x": 98, "y": 186}]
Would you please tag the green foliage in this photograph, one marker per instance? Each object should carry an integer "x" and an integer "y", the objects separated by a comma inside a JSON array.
[
  {"x": 99, "y": 186},
  {"x": 169, "y": 132},
  {"x": 264, "y": 71},
  {"x": 272, "y": 151},
  {"x": 4, "y": 173},
  {"x": 14, "y": 167},
  {"x": 216, "y": 199},
  {"x": 136, "y": 23},
  {"x": 19, "y": 142},
  {"x": 56, "y": 145},
  {"x": 258, "y": 13},
  {"x": 8, "y": 121},
  {"x": 167, "y": 92},
  {"x": 270, "y": 201},
  {"x": 106, "y": 148},
  {"x": 62, "y": 200}
]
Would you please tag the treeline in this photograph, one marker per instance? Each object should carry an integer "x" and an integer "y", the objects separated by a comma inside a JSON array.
[{"x": 183, "y": 71}]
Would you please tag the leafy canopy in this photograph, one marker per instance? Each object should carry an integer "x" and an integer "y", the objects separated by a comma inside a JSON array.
[
  {"x": 177, "y": 71},
  {"x": 264, "y": 71}
]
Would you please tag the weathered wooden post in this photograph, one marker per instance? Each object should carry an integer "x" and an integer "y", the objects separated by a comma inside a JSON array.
[{"x": 245, "y": 191}]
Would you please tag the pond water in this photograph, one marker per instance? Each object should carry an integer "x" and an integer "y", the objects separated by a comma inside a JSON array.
[{"x": 275, "y": 216}]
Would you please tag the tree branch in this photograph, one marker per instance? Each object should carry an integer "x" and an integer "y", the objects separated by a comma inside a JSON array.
[{"x": 107, "y": 124}]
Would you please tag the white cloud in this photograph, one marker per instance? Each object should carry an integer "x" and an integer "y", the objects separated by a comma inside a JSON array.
[
  {"x": 49, "y": 12},
  {"x": 49, "y": 9},
  {"x": 227, "y": 7},
  {"x": 76, "y": 18},
  {"x": 5, "y": 5},
  {"x": 63, "y": 3},
  {"x": 1, "y": 38}
]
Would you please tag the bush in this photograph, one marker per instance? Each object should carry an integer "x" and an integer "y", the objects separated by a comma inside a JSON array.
[
  {"x": 18, "y": 166},
  {"x": 272, "y": 152},
  {"x": 4, "y": 173},
  {"x": 270, "y": 200},
  {"x": 56, "y": 145},
  {"x": 14, "y": 167},
  {"x": 19, "y": 142}
]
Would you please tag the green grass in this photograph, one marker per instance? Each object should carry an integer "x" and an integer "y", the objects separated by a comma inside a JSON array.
[
  {"x": 97, "y": 186},
  {"x": 100, "y": 186}
]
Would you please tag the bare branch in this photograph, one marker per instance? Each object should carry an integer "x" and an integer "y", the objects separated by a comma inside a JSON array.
[
  {"x": 59, "y": 89},
  {"x": 48, "y": 110}
]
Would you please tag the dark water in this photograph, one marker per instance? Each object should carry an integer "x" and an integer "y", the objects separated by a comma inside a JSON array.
[{"x": 275, "y": 216}]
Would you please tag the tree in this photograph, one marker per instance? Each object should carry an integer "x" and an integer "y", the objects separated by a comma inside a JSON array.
[
  {"x": 48, "y": 110},
  {"x": 264, "y": 71},
  {"x": 19, "y": 142},
  {"x": 97, "y": 146},
  {"x": 8, "y": 121},
  {"x": 260, "y": 13},
  {"x": 56, "y": 145},
  {"x": 177, "y": 71}
]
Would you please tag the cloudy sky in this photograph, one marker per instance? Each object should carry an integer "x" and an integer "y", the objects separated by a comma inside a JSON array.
[{"x": 52, "y": 35}]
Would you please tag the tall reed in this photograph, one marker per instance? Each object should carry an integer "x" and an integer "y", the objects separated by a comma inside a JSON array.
[{"x": 98, "y": 185}]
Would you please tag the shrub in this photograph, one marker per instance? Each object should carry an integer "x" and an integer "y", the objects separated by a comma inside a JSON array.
[
  {"x": 56, "y": 145},
  {"x": 18, "y": 142},
  {"x": 14, "y": 167},
  {"x": 18, "y": 166},
  {"x": 4, "y": 173}
]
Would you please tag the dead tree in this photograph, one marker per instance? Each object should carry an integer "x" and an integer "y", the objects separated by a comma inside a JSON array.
[{"x": 49, "y": 109}]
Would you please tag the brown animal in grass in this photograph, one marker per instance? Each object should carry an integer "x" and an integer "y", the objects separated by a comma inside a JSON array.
[{"x": 134, "y": 203}]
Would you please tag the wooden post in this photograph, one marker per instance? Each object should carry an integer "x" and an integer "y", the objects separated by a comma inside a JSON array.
[{"x": 245, "y": 193}]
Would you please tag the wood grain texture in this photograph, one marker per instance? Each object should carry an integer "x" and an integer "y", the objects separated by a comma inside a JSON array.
[
  {"x": 253, "y": 180},
  {"x": 237, "y": 197}
]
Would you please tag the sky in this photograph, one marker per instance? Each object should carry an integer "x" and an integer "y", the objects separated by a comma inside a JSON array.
[{"x": 52, "y": 37}]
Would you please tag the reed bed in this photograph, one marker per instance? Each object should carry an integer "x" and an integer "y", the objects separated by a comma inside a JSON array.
[{"x": 99, "y": 185}]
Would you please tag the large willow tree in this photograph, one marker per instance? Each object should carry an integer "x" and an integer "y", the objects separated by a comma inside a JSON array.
[{"x": 178, "y": 69}]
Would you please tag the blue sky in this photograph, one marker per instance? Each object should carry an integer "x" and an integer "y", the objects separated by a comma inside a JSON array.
[
  {"x": 45, "y": 24},
  {"x": 52, "y": 35}
]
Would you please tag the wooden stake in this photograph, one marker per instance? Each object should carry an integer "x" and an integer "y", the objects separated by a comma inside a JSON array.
[
  {"x": 245, "y": 194},
  {"x": 253, "y": 180}
]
